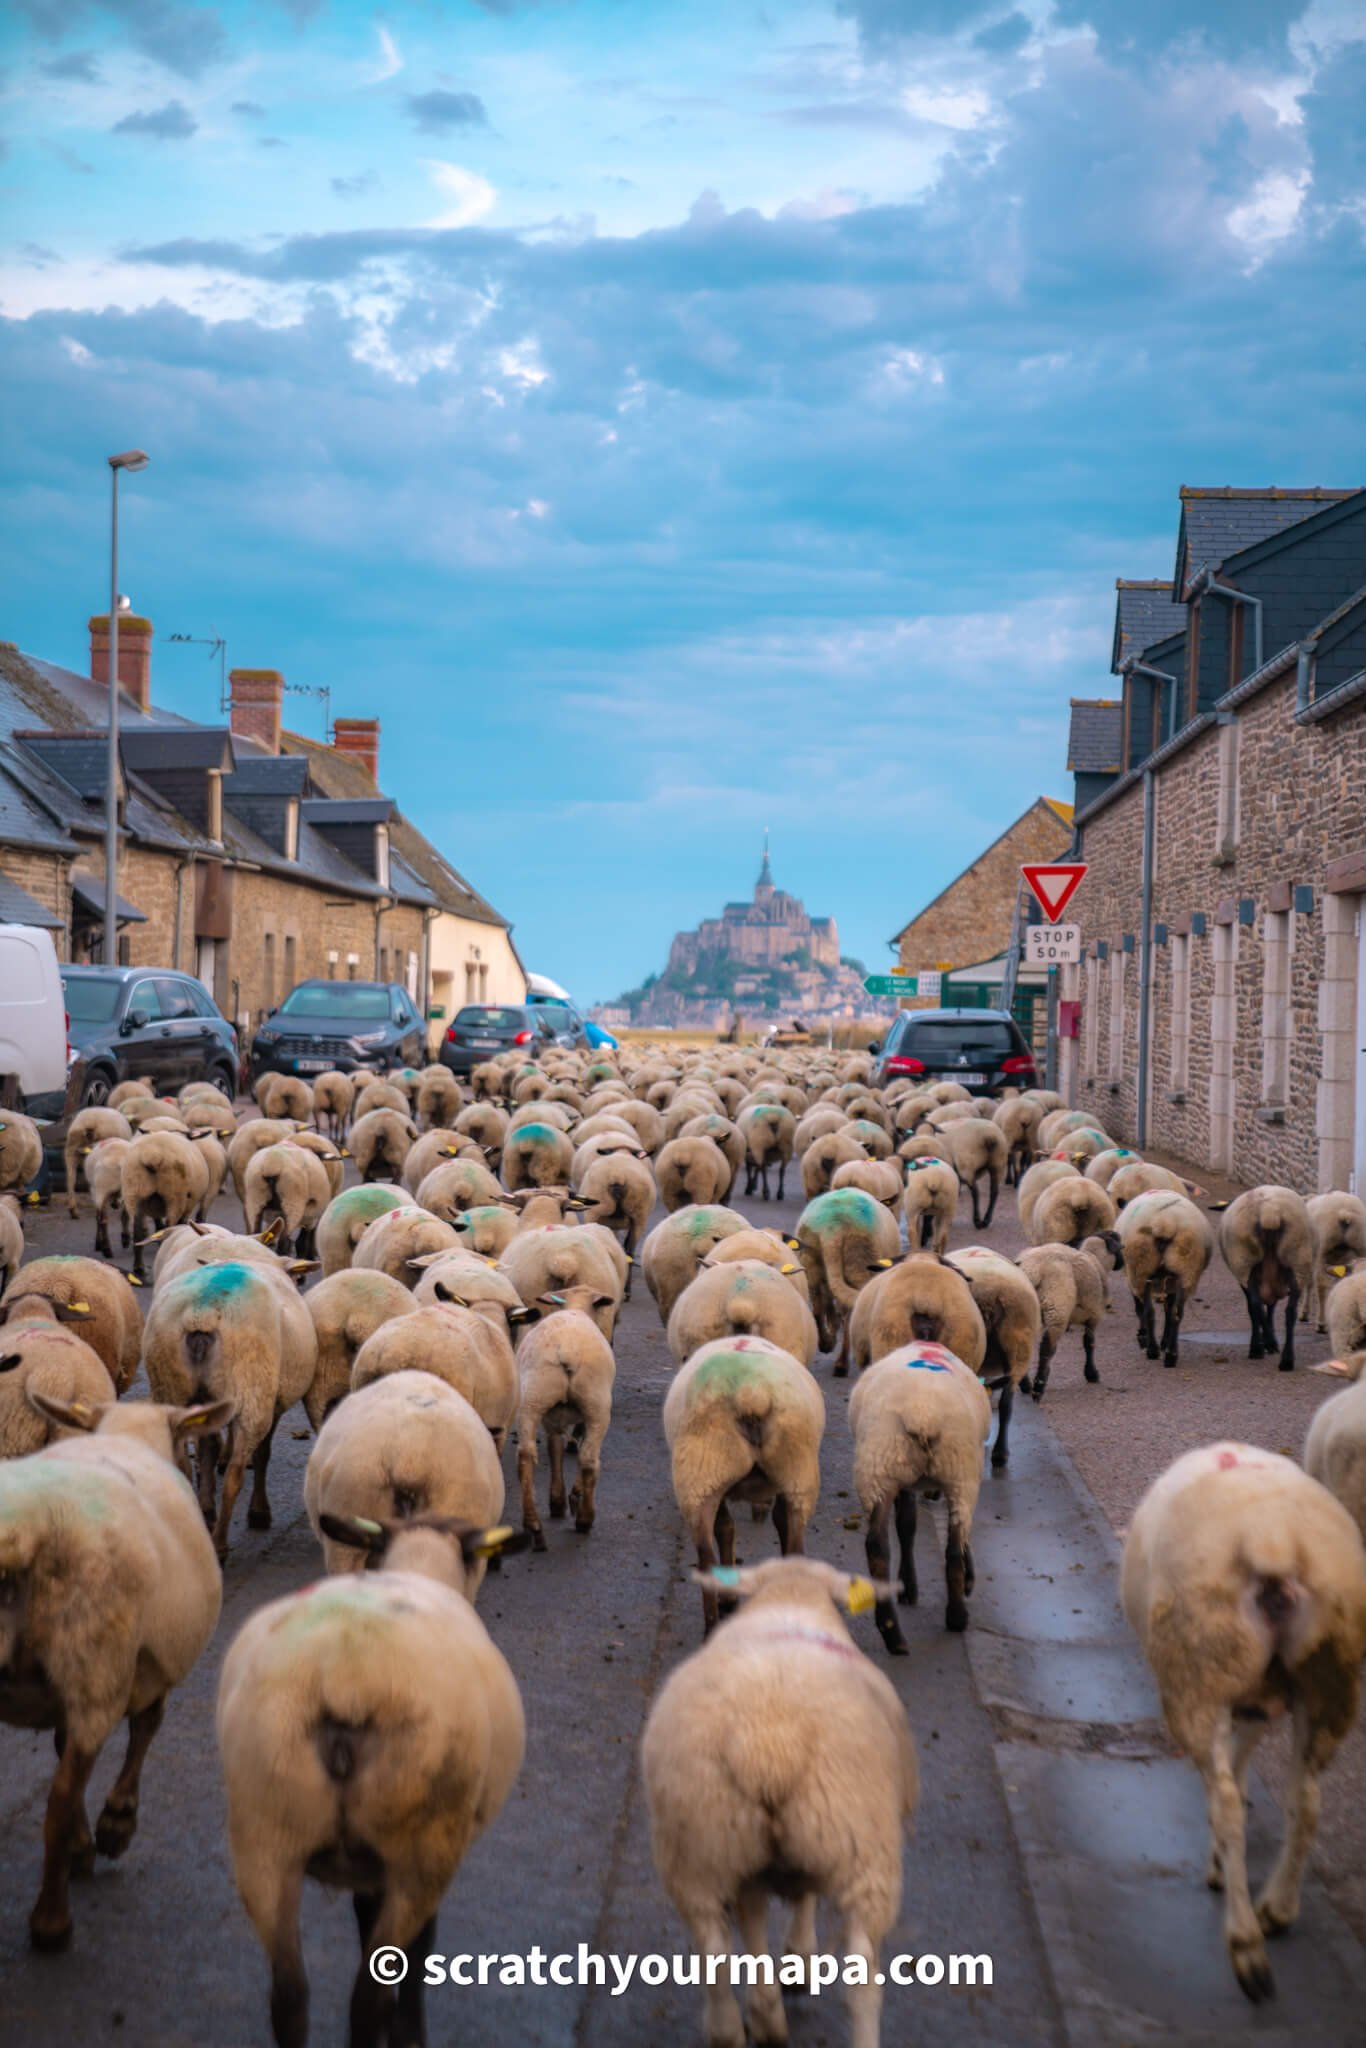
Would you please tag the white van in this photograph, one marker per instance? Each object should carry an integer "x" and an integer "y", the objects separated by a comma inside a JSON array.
[{"x": 33, "y": 1045}]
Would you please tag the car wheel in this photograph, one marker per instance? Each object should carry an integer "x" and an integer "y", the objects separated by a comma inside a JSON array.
[
  {"x": 97, "y": 1090},
  {"x": 226, "y": 1079}
]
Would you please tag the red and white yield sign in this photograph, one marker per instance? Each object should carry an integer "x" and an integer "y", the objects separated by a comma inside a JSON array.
[{"x": 1054, "y": 883}]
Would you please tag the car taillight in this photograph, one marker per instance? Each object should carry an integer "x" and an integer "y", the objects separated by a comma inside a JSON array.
[
  {"x": 522, "y": 1038},
  {"x": 66, "y": 1025},
  {"x": 902, "y": 1063},
  {"x": 1019, "y": 1063},
  {"x": 450, "y": 1034}
]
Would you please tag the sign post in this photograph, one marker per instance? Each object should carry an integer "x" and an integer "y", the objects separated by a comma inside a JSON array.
[{"x": 1053, "y": 945}]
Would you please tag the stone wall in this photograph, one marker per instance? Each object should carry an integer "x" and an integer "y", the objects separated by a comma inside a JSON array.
[
  {"x": 970, "y": 920},
  {"x": 46, "y": 876}
]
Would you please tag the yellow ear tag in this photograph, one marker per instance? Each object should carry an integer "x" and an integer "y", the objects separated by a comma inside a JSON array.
[
  {"x": 494, "y": 1539},
  {"x": 787, "y": 1269},
  {"x": 1338, "y": 1272},
  {"x": 860, "y": 1596},
  {"x": 79, "y": 1308},
  {"x": 135, "y": 1281}
]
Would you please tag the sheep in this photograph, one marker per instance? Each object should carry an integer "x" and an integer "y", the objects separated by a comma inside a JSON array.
[
  {"x": 945, "y": 1113},
  {"x": 1347, "y": 1318},
  {"x": 439, "y": 1148},
  {"x": 487, "y": 1081},
  {"x": 883, "y": 1179},
  {"x": 921, "y": 1300},
  {"x": 591, "y": 1145},
  {"x": 1339, "y": 1226},
  {"x": 468, "y": 1350},
  {"x": 407, "y": 1080},
  {"x": 565, "y": 1372},
  {"x": 1069, "y": 1211},
  {"x": 380, "y": 1144},
  {"x": 536, "y": 1109},
  {"x": 675, "y": 1248},
  {"x": 1073, "y": 1289},
  {"x": 39, "y": 1354},
  {"x": 692, "y": 1172},
  {"x": 84, "y": 1132},
  {"x": 464, "y": 1277},
  {"x": 285, "y": 1191},
  {"x": 769, "y": 1246},
  {"x": 21, "y": 1150},
  {"x": 819, "y": 1122},
  {"x": 1141, "y": 1177},
  {"x": 778, "y": 1758},
  {"x": 253, "y": 1137},
  {"x": 536, "y": 1155},
  {"x": 768, "y": 1131},
  {"x": 950, "y": 1091},
  {"x": 333, "y": 1095},
  {"x": 546, "y": 1262},
  {"x": 618, "y": 1192},
  {"x": 1013, "y": 1321},
  {"x": 12, "y": 1240},
  {"x": 162, "y": 1184},
  {"x": 1335, "y": 1446},
  {"x": 919, "y": 1417},
  {"x": 743, "y": 1420},
  {"x": 487, "y": 1126},
  {"x": 1103, "y": 1166},
  {"x": 233, "y": 1334},
  {"x": 1166, "y": 1243},
  {"x": 392, "y": 1242},
  {"x": 455, "y": 1186},
  {"x": 1019, "y": 1119},
  {"x": 741, "y": 1297},
  {"x": 438, "y": 1097},
  {"x": 380, "y": 1094},
  {"x": 1267, "y": 1239},
  {"x": 729, "y": 1136},
  {"x": 112, "y": 1592},
  {"x": 929, "y": 1202},
  {"x": 202, "y": 1103},
  {"x": 215, "y": 1163},
  {"x": 822, "y": 1156},
  {"x": 1245, "y": 1582},
  {"x": 487, "y": 1229},
  {"x": 686, "y": 1108},
  {"x": 370, "y": 1731},
  {"x": 346, "y": 1219},
  {"x": 1058, "y": 1123},
  {"x": 646, "y": 1122},
  {"x": 97, "y": 1297},
  {"x": 333, "y": 1160},
  {"x": 129, "y": 1091},
  {"x": 843, "y": 1238},
  {"x": 144, "y": 1111},
  {"x": 346, "y": 1310},
  {"x": 977, "y": 1147},
  {"x": 284, "y": 1096},
  {"x": 1079, "y": 1147},
  {"x": 406, "y": 1444}
]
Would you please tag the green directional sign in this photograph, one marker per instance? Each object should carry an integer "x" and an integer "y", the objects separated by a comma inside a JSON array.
[{"x": 892, "y": 984}]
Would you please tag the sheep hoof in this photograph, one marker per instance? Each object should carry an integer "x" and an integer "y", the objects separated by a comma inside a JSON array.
[
  {"x": 1275, "y": 1919},
  {"x": 538, "y": 1541},
  {"x": 1287, "y": 1365},
  {"x": 258, "y": 1518},
  {"x": 1091, "y": 1375},
  {"x": 1154, "y": 1351},
  {"x": 1251, "y": 1968},
  {"x": 907, "y": 1595},
  {"x": 81, "y": 1861},
  {"x": 115, "y": 1829},
  {"x": 841, "y": 1371},
  {"x": 1169, "y": 1362},
  {"x": 956, "y": 1616},
  {"x": 895, "y": 1643},
  {"x": 999, "y": 1458},
  {"x": 49, "y": 1937},
  {"x": 557, "y": 1508},
  {"x": 1027, "y": 1386}
]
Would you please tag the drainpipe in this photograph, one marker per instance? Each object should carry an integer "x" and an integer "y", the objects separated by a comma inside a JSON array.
[
  {"x": 181, "y": 867},
  {"x": 1205, "y": 581},
  {"x": 1304, "y": 672},
  {"x": 1145, "y": 960},
  {"x": 1134, "y": 667}
]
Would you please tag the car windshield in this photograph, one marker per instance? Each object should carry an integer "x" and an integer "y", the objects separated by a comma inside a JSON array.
[
  {"x": 337, "y": 999},
  {"x": 474, "y": 1017},
  {"x": 555, "y": 1015},
  {"x": 91, "y": 999},
  {"x": 962, "y": 1034}
]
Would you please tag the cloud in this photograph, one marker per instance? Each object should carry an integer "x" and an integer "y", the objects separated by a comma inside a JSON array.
[
  {"x": 79, "y": 65},
  {"x": 470, "y": 197},
  {"x": 355, "y": 187},
  {"x": 250, "y": 110},
  {"x": 271, "y": 142},
  {"x": 68, "y": 157},
  {"x": 172, "y": 123},
  {"x": 438, "y": 111},
  {"x": 186, "y": 39},
  {"x": 390, "y": 56}
]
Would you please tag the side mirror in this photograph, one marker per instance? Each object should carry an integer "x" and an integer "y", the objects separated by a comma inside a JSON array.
[
  {"x": 876, "y": 1046},
  {"x": 136, "y": 1020}
]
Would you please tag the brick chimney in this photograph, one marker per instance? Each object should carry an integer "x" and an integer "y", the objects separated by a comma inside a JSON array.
[
  {"x": 255, "y": 695},
  {"x": 135, "y": 656},
  {"x": 358, "y": 738}
]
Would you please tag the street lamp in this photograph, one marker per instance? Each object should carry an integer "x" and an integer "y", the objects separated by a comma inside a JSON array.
[{"x": 131, "y": 459}]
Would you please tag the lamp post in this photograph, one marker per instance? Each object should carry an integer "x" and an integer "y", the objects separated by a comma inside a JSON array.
[{"x": 131, "y": 459}]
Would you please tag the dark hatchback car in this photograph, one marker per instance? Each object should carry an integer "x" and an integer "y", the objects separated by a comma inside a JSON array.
[
  {"x": 146, "y": 1024},
  {"x": 352, "y": 1026},
  {"x": 982, "y": 1049},
  {"x": 482, "y": 1030}
]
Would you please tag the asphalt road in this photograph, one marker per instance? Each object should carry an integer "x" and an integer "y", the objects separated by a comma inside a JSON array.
[{"x": 1055, "y": 1832}]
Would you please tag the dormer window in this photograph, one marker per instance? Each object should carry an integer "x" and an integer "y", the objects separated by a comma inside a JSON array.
[
  {"x": 292, "y": 828},
  {"x": 382, "y": 855}
]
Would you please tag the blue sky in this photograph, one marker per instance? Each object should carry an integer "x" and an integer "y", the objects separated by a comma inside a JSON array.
[{"x": 671, "y": 418}]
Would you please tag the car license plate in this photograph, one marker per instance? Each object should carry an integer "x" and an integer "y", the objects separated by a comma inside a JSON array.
[
  {"x": 969, "y": 1080},
  {"x": 484, "y": 1041},
  {"x": 310, "y": 1066}
]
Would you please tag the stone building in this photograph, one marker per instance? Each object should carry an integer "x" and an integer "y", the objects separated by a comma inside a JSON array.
[
  {"x": 1244, "y": 740},
  {"x": 774, "y": 927},
  {"x": 969, "y": 921},
  {"x": 248, "y": 856}
]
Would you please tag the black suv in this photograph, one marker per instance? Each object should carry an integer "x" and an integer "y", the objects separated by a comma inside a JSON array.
[
  {"x": 983, "y": 1049},
  {"x": 352, "y": 1026},
  {"x": 146, "y": 1024},
  {"x": 482, "y": 1030}
]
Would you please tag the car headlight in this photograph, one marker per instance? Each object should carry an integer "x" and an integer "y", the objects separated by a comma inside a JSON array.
[
  {"x": 364, "y": 1038},
  {"x": 266, "y": 1037}
]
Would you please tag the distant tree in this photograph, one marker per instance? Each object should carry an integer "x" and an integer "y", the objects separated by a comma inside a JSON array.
[{"x": 848, "y": 960}]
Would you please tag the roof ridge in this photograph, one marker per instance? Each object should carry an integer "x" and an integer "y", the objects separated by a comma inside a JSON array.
[
  {"x": 1142, "y": 583},
  {"x": 1271, "y": 491}
]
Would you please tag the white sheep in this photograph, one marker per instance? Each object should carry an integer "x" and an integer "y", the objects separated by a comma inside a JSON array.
[
  {"x": 920, "y": 1417},
  {"x": 1339, "y": 1226},
  {"x": 565, "y": 1371},
  {"x": 843, "y": 1237},
  {"x": 929, "y": 1202},
  {"x": 741, "y": 1297},
  {"x": 395, "y": 1239},
  {"x": 84, "y": 1132},
  {"x": 618, "y": 1192},
  {"x": 21, "y": 1151},
  {"x": 1267, "y": 1240},
  {"x": 1245, "y": 1582},
  {"x": 346, "y": 1219},
  {"x": 468, "y": 1348},
  {"x": 370, "y": 1731},
  {"x": 1072, "y": 1283},
  {"x": 40, "y": 1354},
  {"x": 381, "y": 1142},
  {"x": 675, "y": 1248},
  {"x": 347, "y": 1309},
  {"x": 1009, "y": 1309},
  {"x": 1347, "y": 1318},
  {"x": 778, "y": 1759},
  {"x": 112, "y": 1590},
  {"x": 333, "y": 1095},
  {"x": 1166, "y": 1243},
  {"x": 1069, "y": 1211},
  {"x": 163, "y": 1184},
  {"x": 95, "y": 1297},
  {"x": 1335, "y": 1446},
  {"x": 11, "y": 1239}
]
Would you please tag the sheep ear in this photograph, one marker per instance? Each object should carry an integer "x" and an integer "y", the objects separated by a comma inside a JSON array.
[
  {"x": 496, "y": 1542},
  {"x": 524, "y": 1315},
  {"x": 1216, "y": 1206},
  {"x": 299, "y": 1266},
  {"x": 557, "y": 1299},
  {"x": 73, "y": 1311},
  {"x": 68, "y": 1414},
  {"x": 426, "y": 1259},
  {"x": 792, "y": 1244},
  {"x": 604, "y": 1301},
  {"x": 355, "y": 1532},
  {"x": 210, "y": 1415},
  {"x": 1336, "y": 1368},
  {"x": 9, "y": 1359}
]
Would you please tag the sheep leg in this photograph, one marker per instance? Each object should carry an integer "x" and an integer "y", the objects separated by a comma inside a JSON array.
[
  {"x": 863, "y": 2000},
  {"x": 628, "y": 1245},
  {"x": 206, "y": 1468},
  {"x": 258, "y": 1508},
  {"x": 72, "y": 1170},
  {"x": 704, "y": 1536},
  {"x": 994, "y": 1185},
  {"x": 49, "y": 1924},
  {"x": 125, "y": 1228},
  {"x": 764, "y": 2006},
  {"x": 801, "y": 1934},
  {"x": 763, "y": 1181},
  {"x": 956, "y": 1567},
  {"x": 749, "y": 1177},
  {"x": 722, "y": 2023},
  {"x": 1292, "y": 1305},
  {"x": 583, "y": 1499},
  {"x": 1279, "y": 1904},
  {"x": 1048, "y": 1344},
  {"x": 782, "y": 1176},
  {"x": 725, "y": 1536},
  {"x": 1000, "y": 1450},
  {"x": 842, "y": 1362},
  {"x": 526, "y": 1473},
  {"x": 1228, "y": 1830},
  {"x": 374, "y": 2014},
  {"x": 1254, "y": 1308},
  {"x": 1171, "y": 1325},
  {"x": 1088, "y": 1345},
  {"x": 232, "y": 1486},
  {"x": 102, "y": 1245},
  {"x": 791, "y": 1527},
  {"x": 877, "y": 1549},
  {"x": 118, "y": 1822},
  {"x": 977, "y": 1219},
  {"x": 408, "y": 2028},
  {"x": 555, "y": 1445}
]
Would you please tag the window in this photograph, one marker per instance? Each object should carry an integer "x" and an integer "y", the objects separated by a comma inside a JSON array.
[
  {"x": 268, "y": 969},
  {"x": 1276, "y": 958},
  {"x": 334, "y": 999},
  {"x": 91, "y": 1000},
  {"x": 1226, "y": 827},
  {"x": 290, "y": 967},
  {"x": 143, "y": 996},
  {"x": 176, "y": 1000},
  {"x": 1181, "y": 1013},
  {"x": 1118, "y": 961},
  {"x": 1092, "y": 1008}
]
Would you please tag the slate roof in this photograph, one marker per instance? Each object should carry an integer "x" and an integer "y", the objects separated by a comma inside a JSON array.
[
  {"x": 1095, "y": 736},
  {"x": 18, "y": 907},
  {"x": 90, "y": 698},
  {"x": 1219, "y": 522},
  {"x": 279, "y": 775},
  {"x": 26, "y": 822},
  {"x": 88, "y": 891},
  {"x": 81, "y": 759},
  {"x": 331, "y": 811},
  {"x": 1145, "y": 613},
  {"x": 148, "y": 748}
]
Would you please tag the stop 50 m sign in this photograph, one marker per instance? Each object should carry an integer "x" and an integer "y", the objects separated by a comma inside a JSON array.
[{"x": 1053, "y": 945}]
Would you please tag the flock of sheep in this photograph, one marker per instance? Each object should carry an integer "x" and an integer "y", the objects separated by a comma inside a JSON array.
[{"x": 471, "y": 1282}]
